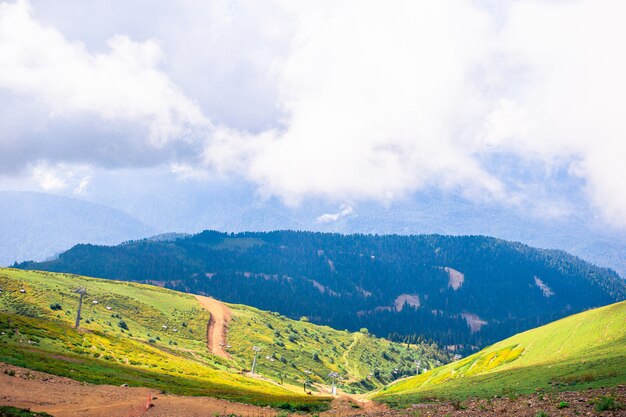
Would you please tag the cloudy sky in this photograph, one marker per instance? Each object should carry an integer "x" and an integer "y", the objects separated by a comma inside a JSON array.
[{"x": 513, "y": 103}]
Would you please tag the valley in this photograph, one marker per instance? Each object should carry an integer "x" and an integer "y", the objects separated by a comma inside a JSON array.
[
  {"x": 446, "y": 289},
  {"x": 148, "y": 336},
  {"x": 142, "y": 349}
]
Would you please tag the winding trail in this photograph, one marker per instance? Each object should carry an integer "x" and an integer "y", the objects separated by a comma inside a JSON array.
[
  {"x": 218, "y": 325},
  {"x": 355, "y": 340}
]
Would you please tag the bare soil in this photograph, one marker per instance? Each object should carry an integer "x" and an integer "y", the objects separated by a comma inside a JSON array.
[
  {"x": 217, "y": 328},
  {"x": 64, "y": 397}
]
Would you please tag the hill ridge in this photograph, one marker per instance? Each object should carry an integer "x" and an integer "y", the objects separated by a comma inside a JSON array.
[{"x": 356, "y": 281}]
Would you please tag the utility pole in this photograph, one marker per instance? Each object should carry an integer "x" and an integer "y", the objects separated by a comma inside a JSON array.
[
  {"x": 256, "y": 350},
  {"x": 334, "y": 376},
  {"x": 81, "y": 291}
]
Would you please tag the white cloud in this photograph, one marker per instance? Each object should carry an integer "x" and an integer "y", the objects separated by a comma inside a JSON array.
[
  {"x": 369, "y": 103},
  {"x": 568, "y": 106},
  {"x": 122, "y": 84},
  {"x": 380, "y": 103},
  {"x": 386, "y": 99},
  {"x": 61, "y": 177},
  {"x": 344, "y": 211}
]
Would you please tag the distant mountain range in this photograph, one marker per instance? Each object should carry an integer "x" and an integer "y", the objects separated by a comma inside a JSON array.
[
  {"x": 191, "y": 207},
  {"x": 460, "y": 291},
  {"x": 37, "y": 226}
]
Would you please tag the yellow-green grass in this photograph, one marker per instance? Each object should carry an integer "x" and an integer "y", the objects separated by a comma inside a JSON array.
[
  {"x": 586, "y": 350},
  {"x": 295, "y": 351},
  {"x": 35, "y": 334}
]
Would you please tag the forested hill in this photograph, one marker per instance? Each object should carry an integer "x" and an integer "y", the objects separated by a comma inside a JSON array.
[{"x": 467, "y": 290}]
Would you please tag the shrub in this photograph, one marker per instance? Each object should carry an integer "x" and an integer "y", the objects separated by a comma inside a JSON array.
[
  {"x": 562, "y": 404},
  {"x": 56, "y": 306},
  {"x": 7, "y": 411},
  {"x": 607, "y": 403},
  {"x": 122, "y": 325},
  {"x": 456, "y": 403}
]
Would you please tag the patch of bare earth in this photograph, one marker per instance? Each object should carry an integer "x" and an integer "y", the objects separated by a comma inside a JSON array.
[
  {"x": 563, "y": 404},
  {"x": 64, "y": 397},
  {"x": 217, "y": 327}
]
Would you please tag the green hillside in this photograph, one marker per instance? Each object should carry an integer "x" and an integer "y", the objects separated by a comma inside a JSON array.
[
  {"x": 126, "y": 344},
  {"x": 145, "y": 335},
  {"x": 586, "y": 350},
  {"x": 445, "y": 288},
  {"x": 298, "y": 350}
]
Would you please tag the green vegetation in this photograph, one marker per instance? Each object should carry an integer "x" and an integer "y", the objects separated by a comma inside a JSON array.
[
  {"x": 586, "y": 350},
  {"x": 607, "y": 403},
  {"x": 130, "y": 333},
  {"x": 144, "y": 335},
  {"x": 295, "y": 351},
  {"x": 360, "y": 281},
  {"x": 6, "y": 411}
]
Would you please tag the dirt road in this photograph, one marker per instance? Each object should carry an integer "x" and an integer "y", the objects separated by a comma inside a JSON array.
[{"x": 218, "y": 325}]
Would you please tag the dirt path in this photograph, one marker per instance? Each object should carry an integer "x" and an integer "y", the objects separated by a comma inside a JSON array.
[
  {"x": 351, "y": 405},
  {"x": 64, "y": 397},
  {"x": 218, "y": 325}
]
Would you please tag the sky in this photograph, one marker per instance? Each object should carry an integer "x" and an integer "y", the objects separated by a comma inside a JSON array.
[{"x": 518, "y": 104}]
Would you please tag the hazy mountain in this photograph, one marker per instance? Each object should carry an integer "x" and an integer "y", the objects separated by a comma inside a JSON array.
[
  {"x": 38, "y": 226},
  {"x": 233, "y": 206},
  {"x": 451, "y": 289}
]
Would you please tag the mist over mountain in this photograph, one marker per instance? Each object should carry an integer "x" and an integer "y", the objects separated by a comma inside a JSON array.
[
  {"x": 234, "y": 206},
  {"x": 37, "y": 226}
]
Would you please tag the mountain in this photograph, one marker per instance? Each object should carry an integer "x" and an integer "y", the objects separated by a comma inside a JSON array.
[
  {"x": 235, "y": 206},
  {"x": 586, "y": 350},
  {"x": 149, "y": 336},
  {"x": 446, "y": 288},
  {"x": 36, "y": 226}
]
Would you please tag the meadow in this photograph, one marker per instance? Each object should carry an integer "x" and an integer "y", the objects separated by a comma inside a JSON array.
[
  {"x": 585, "y": 350},
  {"x": 144, "y": 335},
  {"x": 297, "y": 351},
  {"x": 135, "y": 334}
]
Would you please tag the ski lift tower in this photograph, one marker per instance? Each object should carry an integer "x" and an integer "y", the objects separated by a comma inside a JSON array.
[
  {"x": 256, "y": 350},
  {"x": 81, "y": 291},
  {"x": 333, "y": 376}
]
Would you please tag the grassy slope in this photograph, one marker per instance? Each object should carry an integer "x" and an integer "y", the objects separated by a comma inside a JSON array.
[
  {"x": 301, "y": 350},
  {"x": 580, "y": 351},
  {"x": 35, "y": 336},
  {"x": 147, "y": 354}
]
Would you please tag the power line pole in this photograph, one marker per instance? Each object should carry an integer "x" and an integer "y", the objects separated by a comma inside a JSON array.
[
  {"x": 256, "y": 350},
  {"x": 334, "y": 376},
  {"x": 81, "y": 291}
]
